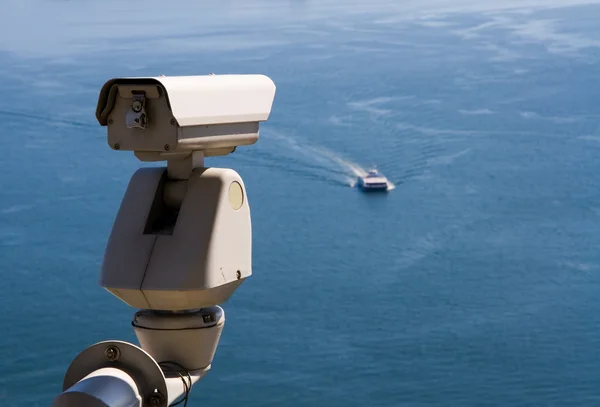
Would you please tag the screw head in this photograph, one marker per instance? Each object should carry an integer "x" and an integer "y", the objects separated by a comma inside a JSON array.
[
  {"x": 167, "y": 147},
  {"x": 112, "y": 353},
  {"x": 155, "y": 400},
  {"x": 117, "y": 146},
  {"x": 110, "y": 120},
  {"x": 136, "y": 106},
  {"x": 238, "y": 274},
  {"x": 172, "y": 122}
]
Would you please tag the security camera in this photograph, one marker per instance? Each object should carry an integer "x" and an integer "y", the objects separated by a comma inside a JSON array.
[
  {"x": 159, "y": 117},
  {"x": 182, "y": 237},
  {"x": 181, "y": 242}
]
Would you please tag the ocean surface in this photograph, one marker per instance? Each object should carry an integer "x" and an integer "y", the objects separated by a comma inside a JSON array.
[{"x": 474, "y": 282}]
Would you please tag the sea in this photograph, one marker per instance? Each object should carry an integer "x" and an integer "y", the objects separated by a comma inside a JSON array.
[{"x": 474, "y": 281}]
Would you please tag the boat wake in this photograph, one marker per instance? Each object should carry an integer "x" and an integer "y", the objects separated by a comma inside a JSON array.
[{"x": 320, "y": 161}]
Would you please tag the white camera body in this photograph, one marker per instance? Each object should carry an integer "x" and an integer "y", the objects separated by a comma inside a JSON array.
[
  {"x": 179, "y": 257},
  {"x": 181, "y": 240},
  {"x": 158, "y": 117}
]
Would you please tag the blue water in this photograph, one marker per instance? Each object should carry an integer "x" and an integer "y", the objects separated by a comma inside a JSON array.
[{"x": 473, "y": 283}]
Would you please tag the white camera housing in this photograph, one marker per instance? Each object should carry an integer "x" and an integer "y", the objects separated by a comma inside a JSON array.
[
  {"x": 181, "y": 242},
  {"x": 179, "y": 256},
  {"x": 182, "y": 238},
  {"x": 159, "y": 117}
]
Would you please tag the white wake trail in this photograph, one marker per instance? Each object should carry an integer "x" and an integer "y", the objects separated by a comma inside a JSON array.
[{"x": 333, "y": 162}]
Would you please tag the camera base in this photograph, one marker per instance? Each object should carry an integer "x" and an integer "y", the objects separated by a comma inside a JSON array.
[{"x": 177, "y": 351}]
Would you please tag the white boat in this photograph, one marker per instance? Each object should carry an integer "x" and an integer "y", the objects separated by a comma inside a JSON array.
[{"x": 373, "y": 181}]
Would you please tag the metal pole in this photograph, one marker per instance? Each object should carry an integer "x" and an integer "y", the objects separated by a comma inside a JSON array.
[
  {"x": 176, "y": 388},
  {"x": 101, "y": 388}
]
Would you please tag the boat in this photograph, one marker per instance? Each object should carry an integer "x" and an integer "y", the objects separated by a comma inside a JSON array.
[{"x": 373, "y": 181}]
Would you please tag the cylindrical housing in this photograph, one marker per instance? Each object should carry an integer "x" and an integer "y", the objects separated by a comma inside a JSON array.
[
  {"x": 103, "y": 387},
  {"x": 188, "y": 338}
]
